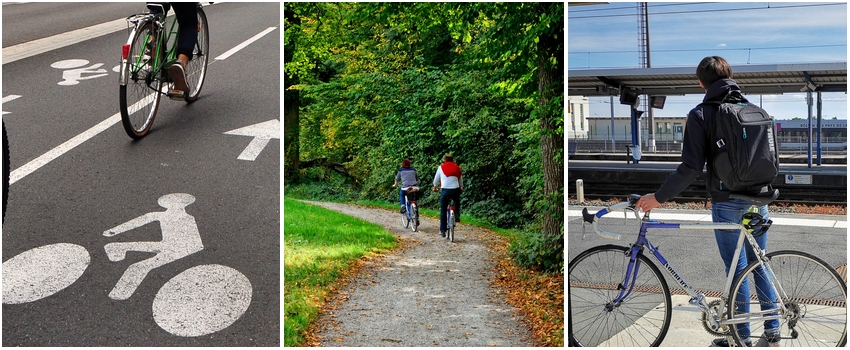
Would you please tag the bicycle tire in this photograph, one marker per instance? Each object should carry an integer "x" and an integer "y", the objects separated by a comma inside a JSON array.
[
  {"x": 196, "y": 69},
  {"x": 139, "y": 101},
  {"x": 811, "y": 287},
  {"x": 595, "y": 276},
  {"x": 414, "y": 217},
  {"x": 5, "y": 170},
  {"x": 451, "y": 234}
]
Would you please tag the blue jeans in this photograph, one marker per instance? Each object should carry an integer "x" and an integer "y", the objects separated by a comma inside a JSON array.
[
  {"x": 727, "y": 240},
  {"x": 446, "y": 195}
]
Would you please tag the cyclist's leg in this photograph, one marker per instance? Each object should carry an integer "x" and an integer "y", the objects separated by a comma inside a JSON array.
[
  {"x": 444, "y": 204},
  {"x": 456, "y": 198},
  {"x": 187, "y": 35},
  {"x": 763, "y": 288},
  {"x": 727, "y": 241},
  {"x": 401, "y": 197}
]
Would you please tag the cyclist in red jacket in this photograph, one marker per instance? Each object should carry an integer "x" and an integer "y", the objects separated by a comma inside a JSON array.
[{"x": 449, "y": 178}]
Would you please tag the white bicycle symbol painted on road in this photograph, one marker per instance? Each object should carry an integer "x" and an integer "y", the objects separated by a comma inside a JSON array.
[{"x": 201, "y": 300}]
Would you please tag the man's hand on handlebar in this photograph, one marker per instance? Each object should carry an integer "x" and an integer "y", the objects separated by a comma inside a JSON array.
[{"x": 647, "y": 202}]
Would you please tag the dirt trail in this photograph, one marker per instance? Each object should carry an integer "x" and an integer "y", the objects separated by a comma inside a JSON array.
[{"x": 430, "y": 293}]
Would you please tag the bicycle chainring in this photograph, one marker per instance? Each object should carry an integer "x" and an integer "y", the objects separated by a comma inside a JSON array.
[{"x": 723, "y": 330}]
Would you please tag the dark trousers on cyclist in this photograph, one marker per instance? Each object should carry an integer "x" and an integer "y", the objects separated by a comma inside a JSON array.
[
  {"x": 446, "y": 195},
  {"x": 727, "y": 242},
  {"x": 187, "y": 20}
]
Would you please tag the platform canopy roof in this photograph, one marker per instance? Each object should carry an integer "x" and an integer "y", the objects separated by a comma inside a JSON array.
[{"x": 670, "y": 81}]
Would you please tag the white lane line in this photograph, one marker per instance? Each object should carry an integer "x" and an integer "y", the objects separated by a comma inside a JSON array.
[
  {"x": 35, "y": 47},
  {"x": 75, "y": 141},
  {"x": 245, "y": 43}
]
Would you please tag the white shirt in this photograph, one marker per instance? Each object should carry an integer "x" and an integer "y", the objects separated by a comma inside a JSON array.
[{"x": 449, "y": 182}]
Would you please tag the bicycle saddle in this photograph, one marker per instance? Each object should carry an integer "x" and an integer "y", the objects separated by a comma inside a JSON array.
[{"x": 757, "y": 200}]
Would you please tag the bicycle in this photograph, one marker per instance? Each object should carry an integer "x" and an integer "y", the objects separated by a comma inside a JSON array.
[
  {"x": 411, "y": 212},
  {"x": 618, "y": 297},
  {"x": 145, "y": 59},
  {"x": 450, "y": 223}
]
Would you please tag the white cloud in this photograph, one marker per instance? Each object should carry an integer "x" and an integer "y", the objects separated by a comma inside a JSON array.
[{"x": 721, "y": 45}]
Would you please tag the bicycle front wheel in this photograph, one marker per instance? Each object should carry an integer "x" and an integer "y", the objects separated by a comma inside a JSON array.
[
  {"x": 596, "y": 276},
  {"x": 196, "y": 70},
  {"x": 815, "y": 298},
  {"x": 139, "y": 97}
]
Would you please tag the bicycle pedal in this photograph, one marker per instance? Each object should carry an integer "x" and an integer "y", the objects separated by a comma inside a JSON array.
[{"x": 176, "y": 95}]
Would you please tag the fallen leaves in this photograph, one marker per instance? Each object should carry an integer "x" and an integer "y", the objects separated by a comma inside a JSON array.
[{"x": 540, "y": 297}]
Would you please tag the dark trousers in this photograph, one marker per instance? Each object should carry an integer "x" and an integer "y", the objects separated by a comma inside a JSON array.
[
  {"x": 446, "y": 195},
  {"x": 187, "y": 20}
]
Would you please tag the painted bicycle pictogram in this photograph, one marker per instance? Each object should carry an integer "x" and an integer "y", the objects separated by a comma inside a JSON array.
[{"x": 200, "y": 300}]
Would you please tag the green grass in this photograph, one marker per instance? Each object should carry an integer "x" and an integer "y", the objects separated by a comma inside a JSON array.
[{"x": 320, "y": 245}]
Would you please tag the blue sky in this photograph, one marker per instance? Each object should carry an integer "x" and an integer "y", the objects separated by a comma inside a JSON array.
[{"x": 681, "y": 34}]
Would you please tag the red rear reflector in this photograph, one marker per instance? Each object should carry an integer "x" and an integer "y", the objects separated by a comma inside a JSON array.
[{"x": 125, "y": 51}]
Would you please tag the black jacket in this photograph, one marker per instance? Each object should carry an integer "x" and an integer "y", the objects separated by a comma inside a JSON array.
[{"x": 696, "y": 149}]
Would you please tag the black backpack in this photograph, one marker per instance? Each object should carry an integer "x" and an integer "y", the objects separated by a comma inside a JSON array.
[{"x": 742, "y": 141}]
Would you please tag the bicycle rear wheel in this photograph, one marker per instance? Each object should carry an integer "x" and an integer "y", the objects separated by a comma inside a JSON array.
[
  {"x": 451, "y": 234},
  {"x": 595, "y": 278},
  {"x": 414, "y": 217},
  {"x": 815, "y": 297},
  {"x": 196, "y": 70},
  {"x": 140, "y": 94}
]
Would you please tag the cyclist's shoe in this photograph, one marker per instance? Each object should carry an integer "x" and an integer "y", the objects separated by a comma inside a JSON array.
[
  {"x": 723, "y": 343},
  {"x": 401, "y": 210},
  {"x": 457, "y": 219},
  {"x": 442, "y": 234},
  {"x": 178, "y": 76},
  {"x": 769, "y": 340}
]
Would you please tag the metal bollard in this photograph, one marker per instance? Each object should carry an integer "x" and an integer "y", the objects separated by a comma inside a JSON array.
[{"x": 580, "y": 190}]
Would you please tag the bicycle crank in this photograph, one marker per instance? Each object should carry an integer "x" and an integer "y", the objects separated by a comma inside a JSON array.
[{"x": 720, "y": 330}]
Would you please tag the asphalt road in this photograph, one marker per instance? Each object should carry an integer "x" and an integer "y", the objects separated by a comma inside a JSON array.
[{"x": 198, "y": 259}]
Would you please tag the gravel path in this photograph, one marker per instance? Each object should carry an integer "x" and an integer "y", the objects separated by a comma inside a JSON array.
[{"x": 429, "y": 293}]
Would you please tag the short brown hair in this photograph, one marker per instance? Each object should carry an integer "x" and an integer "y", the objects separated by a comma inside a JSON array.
[
  {"x": 449, "y": 157},
  {"x": 712, "y": 69}
]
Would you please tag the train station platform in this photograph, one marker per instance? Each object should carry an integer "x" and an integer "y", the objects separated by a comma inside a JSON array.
[{"x": 796, "y": 181}]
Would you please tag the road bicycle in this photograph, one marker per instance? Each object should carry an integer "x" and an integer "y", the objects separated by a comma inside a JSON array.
[
  {"x": 145, "y": 59},
  {"x": 618, "y": 297},
  {"x": 410, "y": 217}
]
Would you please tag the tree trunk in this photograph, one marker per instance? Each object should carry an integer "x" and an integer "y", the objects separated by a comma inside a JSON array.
[
  {"x": 550, "y": 84},
  {"x": 291, "y": 106}
]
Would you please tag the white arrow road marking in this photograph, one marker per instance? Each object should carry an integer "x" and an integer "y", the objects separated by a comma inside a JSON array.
[
  {"x": 10, "y": 98},
  {"x": 262, "y": 133}
]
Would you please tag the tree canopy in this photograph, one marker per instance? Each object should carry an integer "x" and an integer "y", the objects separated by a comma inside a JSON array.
[{"x": 369, "y": 84}]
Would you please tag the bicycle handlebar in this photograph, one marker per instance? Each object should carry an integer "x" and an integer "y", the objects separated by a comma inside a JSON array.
[{"x": 592, "y": 218}]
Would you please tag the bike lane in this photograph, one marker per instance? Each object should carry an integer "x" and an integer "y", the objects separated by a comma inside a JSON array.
[{"x": 226, "y": 239}]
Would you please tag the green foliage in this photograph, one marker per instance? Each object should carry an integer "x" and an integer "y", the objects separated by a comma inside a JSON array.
[{"x": 539, "y": 251}]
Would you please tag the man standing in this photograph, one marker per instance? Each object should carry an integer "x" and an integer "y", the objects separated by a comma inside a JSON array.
[
  {"x": 715, "y": 76},
  {"x": 448, "y": 177}
]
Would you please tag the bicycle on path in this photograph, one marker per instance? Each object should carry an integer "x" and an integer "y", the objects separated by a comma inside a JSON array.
[
  {"x": 618, "y": 297},
  {"x": 145, "y": 59},
  {"x": 410, "y": 217}
]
